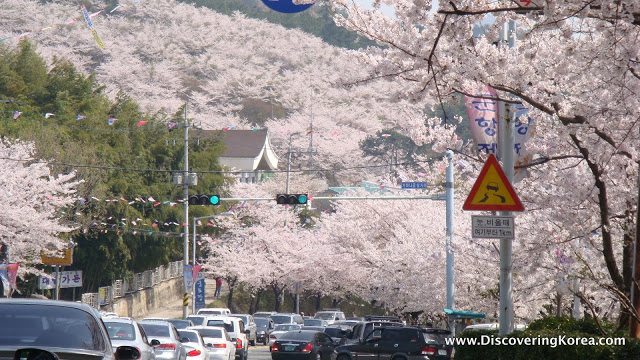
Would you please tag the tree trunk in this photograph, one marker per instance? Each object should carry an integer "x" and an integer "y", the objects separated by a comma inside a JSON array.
[
  {"x": 252, "y": 304},
  {"x": 558, "y": 304},
  {"x": 231, "y": 282},
  {"x": 258, "y": 297},
  {"x": 335, "y": 302},
  {"x": 278, "y": 293},
  {"x": 318, "y": 301}
]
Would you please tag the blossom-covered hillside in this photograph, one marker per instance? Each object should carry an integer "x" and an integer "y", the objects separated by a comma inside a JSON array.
[{"x": 163, "y": 53}]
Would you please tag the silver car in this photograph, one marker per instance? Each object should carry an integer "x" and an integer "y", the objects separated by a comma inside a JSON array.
[
  {"x": 170, "y": 347},
  {"x": 127, "y": 332}
]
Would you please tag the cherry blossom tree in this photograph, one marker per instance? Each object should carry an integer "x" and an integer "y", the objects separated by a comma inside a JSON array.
[
  {"x": 31, "y": 221},
  {"x": 575, "y": 65}
]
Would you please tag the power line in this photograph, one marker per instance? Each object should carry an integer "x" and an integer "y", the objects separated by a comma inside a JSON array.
[{"x": 232, "y": 172}]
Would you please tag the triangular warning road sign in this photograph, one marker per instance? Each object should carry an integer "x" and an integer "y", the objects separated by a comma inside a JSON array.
[{"x": 492, "y": 190}]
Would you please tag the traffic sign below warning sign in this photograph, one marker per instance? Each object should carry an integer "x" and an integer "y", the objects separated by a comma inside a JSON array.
[{"x": 492, "y": 191}]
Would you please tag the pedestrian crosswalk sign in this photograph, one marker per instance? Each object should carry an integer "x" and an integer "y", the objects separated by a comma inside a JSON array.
[{"x": 492, "y": 191}]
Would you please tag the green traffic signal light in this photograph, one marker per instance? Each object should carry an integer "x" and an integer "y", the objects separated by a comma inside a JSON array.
[
  {"x": 204, "y": 200},
  {"x": 292, "y": 199}
]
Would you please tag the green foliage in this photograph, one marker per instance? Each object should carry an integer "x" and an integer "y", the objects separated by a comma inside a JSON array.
[
  {"x": 115, "y": 162},
  {"x": 553, "y": 329},
  {"x": 317, "y": 20},
  {"x": 395, "y": 148}
]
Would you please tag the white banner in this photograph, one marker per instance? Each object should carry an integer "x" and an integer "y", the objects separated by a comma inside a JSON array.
[{"x": 68, "y": 279}]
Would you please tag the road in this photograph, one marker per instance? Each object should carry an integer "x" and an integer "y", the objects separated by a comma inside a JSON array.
[
  {"x": 259, "y": 352},
  {"x": 174, "y": 310}
]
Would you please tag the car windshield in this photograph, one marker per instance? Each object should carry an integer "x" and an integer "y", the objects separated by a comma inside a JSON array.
[
  {"x": 210, "y": 333},
  {"x": 281, "y": 319},
  {"x": 298, "y": 335},
  {"x": 286, "y": 327},
  {"x": 220, "y": 323},
  {"x": 35, "y": 325},
  {"x": 120, "y": 331},
  {"x": 261, "y": 323},
  {"x": 325, "y": 316},
  {"x": 160, "y": 330},
  {"x": 191, "y": 335}
]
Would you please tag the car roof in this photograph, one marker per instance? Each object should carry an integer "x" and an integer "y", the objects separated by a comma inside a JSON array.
[
  {"x": 27, "y": 301},
  {"x": 155, "y": 322},
  {"x": 119, "y": 320}
]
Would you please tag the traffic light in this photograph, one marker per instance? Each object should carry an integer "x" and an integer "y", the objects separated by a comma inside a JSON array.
[
  {"x": 291, "y": 199},
  {"x": 204, "y": 199}
]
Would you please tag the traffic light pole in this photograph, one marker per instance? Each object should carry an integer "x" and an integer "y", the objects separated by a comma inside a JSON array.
[{"x": 185, "y": 188}]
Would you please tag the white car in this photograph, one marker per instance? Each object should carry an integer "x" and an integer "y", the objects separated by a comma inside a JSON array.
[
  {"x": 214, "y": 311},
  {"x": 217, "y": 341},
  {"x": 281, "y": 329},
  {"x": 194, "y": 344},
  {"x": 235, "y": 328}
]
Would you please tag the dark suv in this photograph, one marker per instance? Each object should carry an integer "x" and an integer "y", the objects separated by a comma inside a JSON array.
[{"x": 397, "y": 343}]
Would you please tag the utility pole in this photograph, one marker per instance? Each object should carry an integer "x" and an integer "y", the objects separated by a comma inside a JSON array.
[
  {"x": 506, "y": 245},
  {"x": 185, "y": 188},
  {"x": 449, "y": 241}
]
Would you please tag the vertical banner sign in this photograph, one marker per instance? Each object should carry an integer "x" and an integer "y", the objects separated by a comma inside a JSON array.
[
  {"x": 8, "y": 276},
  {"x": 188, "y": 278},
  {"x": 199, "y": 295},
  {"x": 523, "y": 130},
  {"x": 483, "y": 120}
]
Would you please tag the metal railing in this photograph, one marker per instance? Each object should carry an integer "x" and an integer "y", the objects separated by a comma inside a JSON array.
[{"x": 143, "y": 280}]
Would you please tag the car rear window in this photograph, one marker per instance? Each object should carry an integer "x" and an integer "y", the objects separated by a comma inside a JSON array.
[
  {"x": 192, "y": 336},
  {"x": 286, "y": 327},
  {"x": 210, "y": 333},
  {"x": 298, "y": 335},
  {"x": 196, "y": 320},
  {"x": 435, "y": 338},
  {"x": 160, "y": 330},
  {"x": 220, "y": 323},
  {"x": 120, "y": 331},
  {"x": 281, "y": 319},
  {"x": 334, "y": 332},
  {"x": 326, "y": 316}
]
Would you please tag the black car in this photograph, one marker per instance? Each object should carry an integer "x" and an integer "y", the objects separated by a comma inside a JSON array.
[
  {"x": 50, "y": 329},
  {"x": 436, "y": 339},
  {"x": 264, "y": 326},
  {"x": 303, "y": 345},
  {"x": 387, "y": 343}
]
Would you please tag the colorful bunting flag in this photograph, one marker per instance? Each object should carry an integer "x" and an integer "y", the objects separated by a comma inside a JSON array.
[
  {"x": 16, "y": 114},
  {"x": 171, "y": 125},
  {"x": 111, "y": 121},
  {"x": 80, "y": 117},
  {"x": 48, "y": 115},
  {"x": 141, "y": 122}
]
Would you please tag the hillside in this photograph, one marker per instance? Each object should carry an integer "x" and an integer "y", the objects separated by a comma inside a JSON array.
[{"x": 234, "y": 72}]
